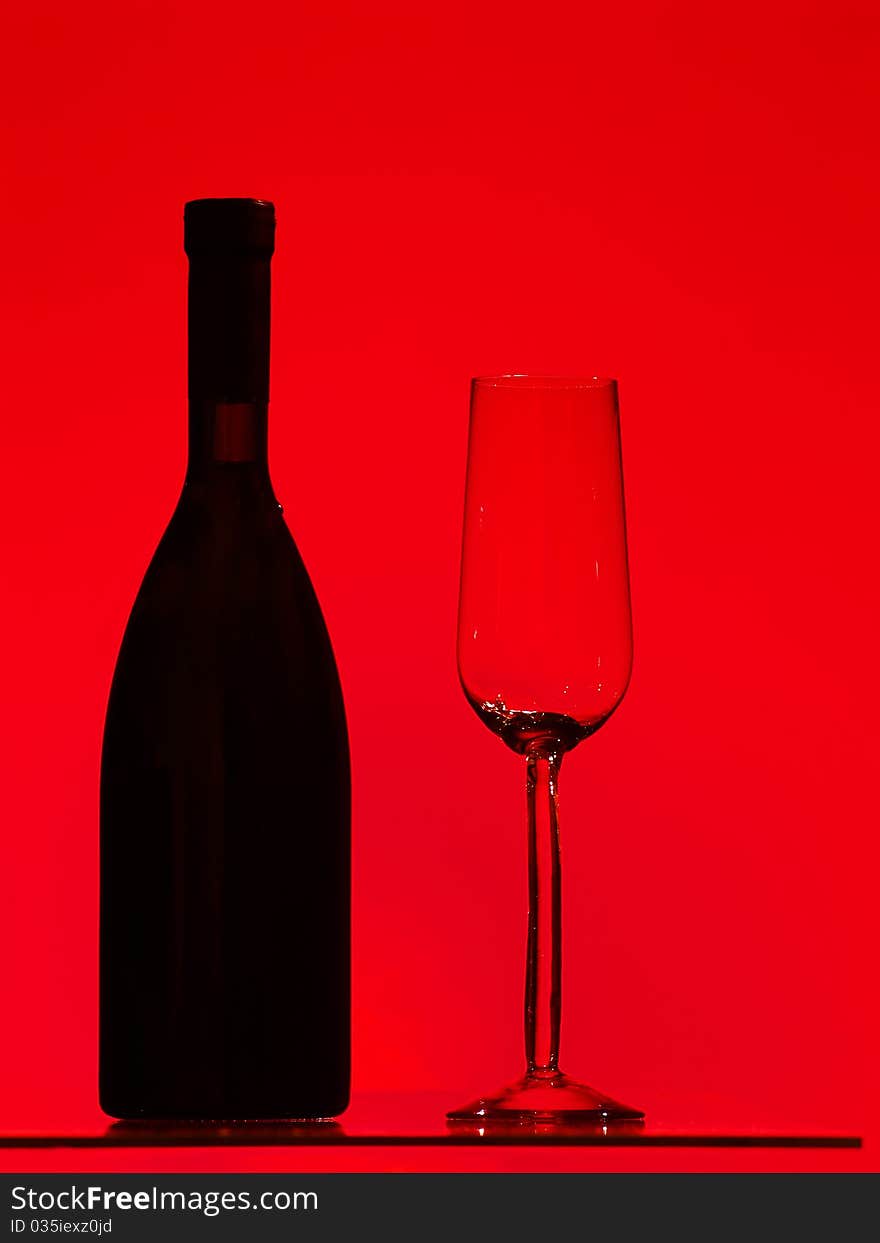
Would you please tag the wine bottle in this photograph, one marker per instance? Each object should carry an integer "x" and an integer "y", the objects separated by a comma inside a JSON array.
[{"x": 225, "y": 790}]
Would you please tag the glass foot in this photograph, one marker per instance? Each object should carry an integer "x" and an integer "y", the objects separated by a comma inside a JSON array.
[{"x": 546, "y": 1096}]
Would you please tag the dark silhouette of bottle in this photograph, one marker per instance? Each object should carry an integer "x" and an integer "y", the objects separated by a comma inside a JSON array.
[{"x": 225, "y": 792}]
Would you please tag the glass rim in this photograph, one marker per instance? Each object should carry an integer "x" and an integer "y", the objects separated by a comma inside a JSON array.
[{"x": 517, "y": 379}]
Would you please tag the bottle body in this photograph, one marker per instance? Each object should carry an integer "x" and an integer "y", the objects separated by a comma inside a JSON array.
[
  {"x": 225, "y": 813},
  {"x": 224, "y": 830}
]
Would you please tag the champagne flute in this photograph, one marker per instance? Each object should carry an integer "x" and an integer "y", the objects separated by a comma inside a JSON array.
[{"x": 544, "y": 655}]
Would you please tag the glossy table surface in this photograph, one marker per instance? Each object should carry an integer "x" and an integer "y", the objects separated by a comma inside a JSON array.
[{"x": 419, "y": 1119}]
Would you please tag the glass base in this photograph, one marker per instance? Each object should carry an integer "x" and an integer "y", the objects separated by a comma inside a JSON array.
[{"x": 546, "y": 1097}]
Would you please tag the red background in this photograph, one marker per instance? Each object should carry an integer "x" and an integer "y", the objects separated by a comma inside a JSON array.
[{"x": 681, "y": 196}]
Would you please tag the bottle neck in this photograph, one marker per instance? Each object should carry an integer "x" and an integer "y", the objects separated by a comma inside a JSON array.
[
  {"x": 228, "y": 312},
  {"x": 228, "y": 328},
  {"x": 229, "y": 438}
]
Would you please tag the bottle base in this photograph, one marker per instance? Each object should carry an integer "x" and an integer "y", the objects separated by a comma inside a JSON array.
[{"x": 194, "y": 1116}]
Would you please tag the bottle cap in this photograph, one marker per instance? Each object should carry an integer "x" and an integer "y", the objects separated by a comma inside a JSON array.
[{"x": 229, "y": 226}]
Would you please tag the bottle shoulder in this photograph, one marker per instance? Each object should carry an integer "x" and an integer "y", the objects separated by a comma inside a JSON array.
[
  {"x": 246, "y": 633},
  {"x": 224, "y": 536},
  {"x": 218, "y": 567}
]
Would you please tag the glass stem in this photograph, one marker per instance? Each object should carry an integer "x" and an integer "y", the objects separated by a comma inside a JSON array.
[{"x": 544, "y": 957}]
